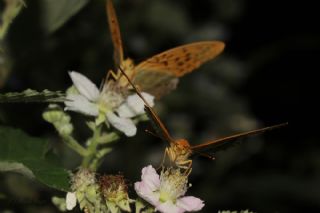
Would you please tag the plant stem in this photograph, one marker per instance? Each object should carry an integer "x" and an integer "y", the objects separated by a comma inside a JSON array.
[
  {"x": 92, "y": 148},
  {"x": 97, "y": 161},
  {"x": 74, "y": 145}
]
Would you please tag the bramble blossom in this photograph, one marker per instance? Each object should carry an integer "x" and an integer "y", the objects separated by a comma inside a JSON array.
[
  {"x": 166, "y": 192},
  {"x": 108, "y": 105}
]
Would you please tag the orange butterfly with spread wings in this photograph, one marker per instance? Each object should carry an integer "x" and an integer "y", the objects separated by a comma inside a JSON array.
[
  {"x": 180, "y": 150},
  {"x": 159, "y": 74}
]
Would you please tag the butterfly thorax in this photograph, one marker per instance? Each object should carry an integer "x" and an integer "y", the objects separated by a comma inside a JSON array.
[
  {"x": 179, "y": 151},
  {"x": 128, "y": 66}
]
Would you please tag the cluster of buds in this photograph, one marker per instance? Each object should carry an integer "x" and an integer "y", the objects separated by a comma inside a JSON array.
[
  {"x": 85, "y": 191},
  {"x": 115, "y": 193},
  {"x": 108, "y": 194}
]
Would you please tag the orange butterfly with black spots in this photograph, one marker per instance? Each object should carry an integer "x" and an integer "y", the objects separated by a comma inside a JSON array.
[{"x": 159, "y": 74}]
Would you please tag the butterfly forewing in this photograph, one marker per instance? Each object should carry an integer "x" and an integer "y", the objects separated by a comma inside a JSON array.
[
  {"x": 182, "y": 59},
  {"x": 115, "y": 34},
  {"x": 159, "y": 74}
]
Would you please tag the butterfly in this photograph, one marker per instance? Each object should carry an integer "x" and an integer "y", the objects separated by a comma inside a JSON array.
[
  {"x": 159, "y": 74},
  {"x": 179, "y": 151}
]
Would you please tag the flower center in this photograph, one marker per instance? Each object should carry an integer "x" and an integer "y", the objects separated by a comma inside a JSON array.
[
  {"x": 109, "y": 100},
  {"x": 82, "y": 179},
  {"x": 173, "y": 184}
]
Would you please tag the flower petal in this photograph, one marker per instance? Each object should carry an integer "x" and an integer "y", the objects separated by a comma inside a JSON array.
[
  {"x": 150, "y": 177},
  {"x": 137, "y": 105},
  {"x": 81, "y": 104},
  {"x": 169, "y": 207},
  {"x": 124, "y": 111},
  {"x": 84, "y": 86},
  {"x": 149, "y": 98},
  {"x": 124, "y": 125},
  {"x": 134, "y": 105},
  {"x": 71, "y": 200},
  {"x": 145, "y": 193},
  {"x": 150, "y": 182},
  {"x": 190, "y": 203}
]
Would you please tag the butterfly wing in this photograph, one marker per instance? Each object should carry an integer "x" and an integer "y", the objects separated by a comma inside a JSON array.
[
  {"x": 156, "y": 83},
  {"x": 115, "y": 34},
  {"x": 159, "y": 73}
]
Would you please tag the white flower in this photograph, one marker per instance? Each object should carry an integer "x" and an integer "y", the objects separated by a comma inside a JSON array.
[
  {"x": 81, "y": 104},
  {"x": 106, "y": 103},
  {"x": 122, "y": 124},
  {"x": 71, "y": 200},
  {"x": 166, "y": 193},
  {"x": 134, "y": 105}
]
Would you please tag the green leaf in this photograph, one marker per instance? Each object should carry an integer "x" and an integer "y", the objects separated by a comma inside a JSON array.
[
  {"x": 57, "y": 12},
  {"x": 30, "y": 95},
  {"x": 10, "y": 11},
  {"x": 29, "y": 156}
]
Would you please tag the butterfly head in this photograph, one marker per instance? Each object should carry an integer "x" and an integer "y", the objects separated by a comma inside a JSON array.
[
  {"x": 180, "y": 149},
  {"x": 179, "y": 152},
  {"x": 183, "y": 143}
]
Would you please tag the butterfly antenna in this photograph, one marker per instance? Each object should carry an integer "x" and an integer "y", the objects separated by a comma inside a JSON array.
[
  {"x": 151, "y": 133},
  {"x": 204, "y": 155},
  {"x": 135, "y": 87},
  {"x": 208, "y": 156},
  {"x": 232, "y": 137}
]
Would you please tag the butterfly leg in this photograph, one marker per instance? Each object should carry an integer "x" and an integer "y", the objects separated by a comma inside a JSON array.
[
  {"x": 166, "y": 152},
  {"x": 112, "y": 74},
  {"x": 187, "y": 166}
]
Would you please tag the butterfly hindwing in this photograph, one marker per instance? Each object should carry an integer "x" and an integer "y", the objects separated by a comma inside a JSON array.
[{"x": 156, "y": 83}]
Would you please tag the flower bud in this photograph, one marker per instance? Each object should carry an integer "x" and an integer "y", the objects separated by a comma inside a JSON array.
[{"x": 115, "y": 192}]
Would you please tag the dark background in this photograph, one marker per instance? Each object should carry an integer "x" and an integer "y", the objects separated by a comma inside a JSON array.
[{"x": 265, "y": 76}]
